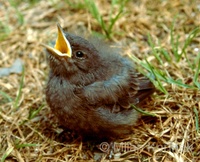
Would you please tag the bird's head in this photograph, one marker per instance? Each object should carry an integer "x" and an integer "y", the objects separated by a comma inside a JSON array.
[{"x": 72, "y": 55}]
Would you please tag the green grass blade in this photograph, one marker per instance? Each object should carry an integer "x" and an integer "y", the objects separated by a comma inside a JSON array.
[
  {"x": 157, "y": 75},
  {"x": 20, "y": 16},
  {"x": 75, "y": 4},
  {"x": 26, "y": 145},
  {"x": 16, "y": 102},
  {"x": 93, "y": 9},
  {"x": 188, "y": 41},
  {"x": 143, "y": 112},
  {"x": 106, "y": 27},
  {"x": 33, "y": 112},
  {"x": 155, "y": 53},
  {"x": 113, "y": 20},
  {"x": 197, "y": 72},
  {"x": 178, "y": 83},
  {"x": 196, "y": 120},
  {"x": 174, "y": 41},
  {"x": 165, "y": 54},
  {"x": 6, "y": 154},
  {"x": 4, "y": 30},
  {"x": 6, "y": 96}
]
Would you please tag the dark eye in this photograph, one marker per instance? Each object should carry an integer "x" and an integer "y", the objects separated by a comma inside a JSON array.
[{"x": 80, "y": 55}]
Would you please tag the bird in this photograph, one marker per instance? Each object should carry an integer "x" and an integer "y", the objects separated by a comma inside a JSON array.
[{"x": 91, "y": 87}]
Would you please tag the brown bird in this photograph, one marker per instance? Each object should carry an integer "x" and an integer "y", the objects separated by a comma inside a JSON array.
[{"x": 91, "y": 87}]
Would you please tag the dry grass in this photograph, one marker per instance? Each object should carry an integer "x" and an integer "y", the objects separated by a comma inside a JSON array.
[{"x": 28, "y": 130}]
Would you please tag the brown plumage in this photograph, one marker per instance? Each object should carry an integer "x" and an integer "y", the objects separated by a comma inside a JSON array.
[{"x": 91, "y": 88}]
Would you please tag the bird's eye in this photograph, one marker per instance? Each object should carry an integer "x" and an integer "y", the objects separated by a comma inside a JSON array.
[{"x": 80, "y": 55}]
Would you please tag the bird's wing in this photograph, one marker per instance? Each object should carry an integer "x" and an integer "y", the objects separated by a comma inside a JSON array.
[
  {"x": 103, "y": 92},
  {"x": 123, "y": 88},
  {"x": 136, "y": 94}
]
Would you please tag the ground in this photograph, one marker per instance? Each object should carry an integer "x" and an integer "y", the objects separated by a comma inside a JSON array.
[{"x": 162, "y": 37}]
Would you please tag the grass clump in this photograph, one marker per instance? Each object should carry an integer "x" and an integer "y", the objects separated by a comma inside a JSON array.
[
  {"x": 107, "y": 26},
  {"x": 162, "y": 56}
]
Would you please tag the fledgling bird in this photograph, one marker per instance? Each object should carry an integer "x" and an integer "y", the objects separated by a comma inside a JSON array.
[{"x": 91, "y": 88}]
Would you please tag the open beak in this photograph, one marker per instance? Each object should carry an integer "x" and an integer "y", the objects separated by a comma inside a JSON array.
[{"x": 62, "y": 46}]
